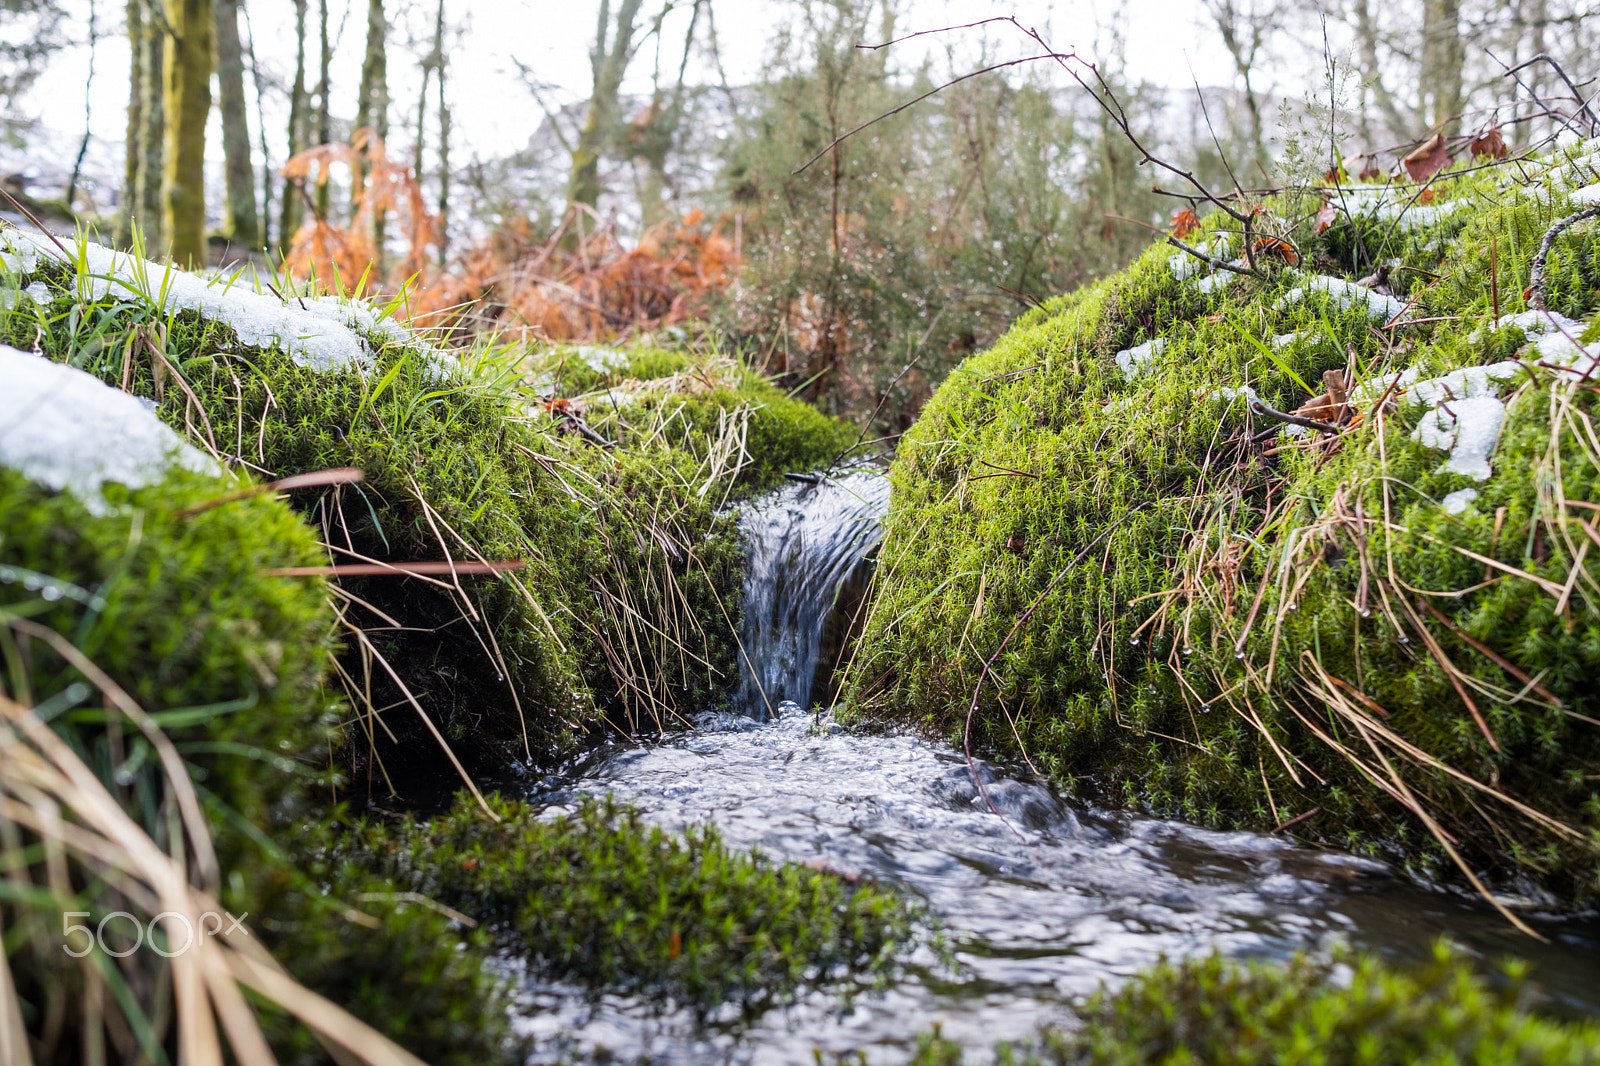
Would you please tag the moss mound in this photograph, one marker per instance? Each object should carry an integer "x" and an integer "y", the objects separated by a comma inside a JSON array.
[
  {"x": 622, "y": 615},
  {"x": 602, "y": 898},
  {"x": 1189, "y": 610},
  {"x": 1332, "y": 1012}
]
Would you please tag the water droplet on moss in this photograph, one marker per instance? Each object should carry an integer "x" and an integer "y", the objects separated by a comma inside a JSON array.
[
  {"x": 1205, "y": 708},
  {"x": 1134, "y": 640},
  {"x": 51, "y": 593}
]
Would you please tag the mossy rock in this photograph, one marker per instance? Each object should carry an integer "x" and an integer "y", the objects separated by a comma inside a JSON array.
[
  {"x": 1230, "y": 630},
  {"x": 1339, "y": 1012}
]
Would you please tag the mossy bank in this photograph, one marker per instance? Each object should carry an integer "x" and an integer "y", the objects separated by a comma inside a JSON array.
[
  {"x": 160, "y": 601},
  {"x": 1339, "y": 1011},
  {"x": 1105, "y": 558}
]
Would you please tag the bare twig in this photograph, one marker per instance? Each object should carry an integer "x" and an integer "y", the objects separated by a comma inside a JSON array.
[
  {"x": 1536, "y": 278},
  {"x": 1261, "y": 408},
  {"x": 1215, "y": 263}
]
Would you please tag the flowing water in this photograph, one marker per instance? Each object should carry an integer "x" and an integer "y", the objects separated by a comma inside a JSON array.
[{"x": 1037, "y": 917}]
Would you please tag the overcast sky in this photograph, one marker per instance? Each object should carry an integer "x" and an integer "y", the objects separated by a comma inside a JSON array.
[{"x": 494, "y": 113}]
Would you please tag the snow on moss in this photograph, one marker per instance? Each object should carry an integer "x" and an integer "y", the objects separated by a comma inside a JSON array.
[
  {"x": 67, "y": 430},
  {"x": 1133, "y": 361},
  {"x": 1344, "y": 294},
  {"x": 322, "y": 333}
]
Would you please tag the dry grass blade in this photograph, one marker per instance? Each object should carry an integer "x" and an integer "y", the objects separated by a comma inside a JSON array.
[
  {"x": 417, "y": 569},
  {"x": 343, "y": 475},
  {"x": 66, "y": 806}
]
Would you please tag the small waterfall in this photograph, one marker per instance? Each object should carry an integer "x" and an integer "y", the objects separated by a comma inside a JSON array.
[{"x": 804, "y": 545}]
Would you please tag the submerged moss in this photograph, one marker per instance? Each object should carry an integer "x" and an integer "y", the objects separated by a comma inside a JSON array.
[
  {"x": 602, "y": 898},
  {"x": 1340, "y": 1012},
  {"x": 1231, "y": 631}
]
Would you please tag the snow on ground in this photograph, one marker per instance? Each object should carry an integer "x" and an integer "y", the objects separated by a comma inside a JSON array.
[
  {"x": 1133, "y": 361},
  {"x": 1459, "y": 500},
  {"x": 1469, "y": 429},
  {"x": 1345, "y": 294},
  {"x": 68, "y": 430},
  {"x": 316, "y": 332}
]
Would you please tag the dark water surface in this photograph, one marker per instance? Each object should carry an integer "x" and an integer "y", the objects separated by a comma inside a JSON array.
[{"x": 1036, "y": 916}]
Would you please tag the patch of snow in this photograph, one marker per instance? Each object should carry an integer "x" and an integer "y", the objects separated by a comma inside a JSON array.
[
  {"x": 1379, "y": 203},
  {"x": 1469, "y": 428},
  {"x": 319, "y": 333},
  {"x": 38, "y": 292},
  {"x": 1418, "y": 216},
  {"x": 1554, "y": 339},
  {"x": 1292, "y": 430},
  {"x": 1589, "y": 194},
  {"x": 1345, "y": 294},
  {"x": 69, "y": 431},
  {"x": 1283, "y": 340},
  {"x": 1132, "y": 361},
  {"x": 1459, "y": 500},
  {"x": 1469, "y": 382},
  {"x": 601, "y": 360},
  {"x": 1212, "y": 282},
  {"x": 1186, "y": 267},
  {"x": 20, "y": 259},
  {"x": 1371, "y": 390}
]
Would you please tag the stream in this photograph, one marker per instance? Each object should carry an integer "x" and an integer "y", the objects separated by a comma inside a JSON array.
[{"x": 1035, "y": 919}]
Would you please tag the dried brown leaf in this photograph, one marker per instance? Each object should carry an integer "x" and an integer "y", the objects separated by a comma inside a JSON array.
[
  {"x": 1489, "y": 143},
  {"x": 1428, "y": 159}
]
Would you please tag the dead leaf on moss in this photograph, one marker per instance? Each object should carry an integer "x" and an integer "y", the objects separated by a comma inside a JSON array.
[
  {"x": 1489, "y": 143},
  {"x": 1326, "y": 216},
  {"x": 1426, "y": 196},
  {"x": 1184, "y": 223},
  {"x": 1428, "y": 159},
  {"x": 1280, "y": 248}
]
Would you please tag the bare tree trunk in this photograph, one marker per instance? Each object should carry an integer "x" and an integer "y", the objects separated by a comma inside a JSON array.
[
  {"x": 261, "y": 128},
  {"x": 444, "y": 140},
  {"x": 1443, "y": 60},
  {"x": 128, "y": 217},
  {"x": 417, "y": 145},
  {"x": 191, "y": 59},
  {"x": 88, "y": 110},
  {"x": 324, "y": 88},
  {"x": 153, "y": 138},
  {"x": 242, "y": 222},
  {"x": 1367, "y": 38},
  {"x": 373, "y": 108},
  {"x": 289, "y": 220},
  {"x": 1244, "y": 33},
  {"x": 608, "y": 62}
]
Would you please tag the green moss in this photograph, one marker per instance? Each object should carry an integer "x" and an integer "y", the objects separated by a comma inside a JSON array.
[
  {"x": 621, "y": 617},
  {"x": 1346, "y": 1011},
  {"x": 177, "y": 611},
  {"x": 1175, "y": 663},
  {"x": 602, "y": 898}
]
